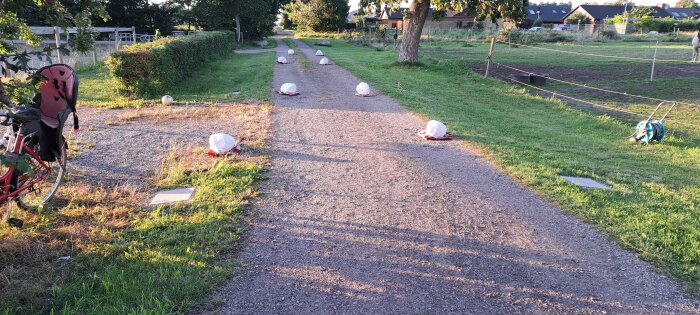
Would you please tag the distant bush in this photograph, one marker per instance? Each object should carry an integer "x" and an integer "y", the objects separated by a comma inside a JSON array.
[
  {"x": 146, "y": 69},
  {"x": 662, "y": 25},
  {"x": 610, "y": 34},
  {"x": 312, "y": 34},
  {"x": 518, "y": 36},
  {"x": 458, "y": 35},
  {"x": 668, "y": 37}
]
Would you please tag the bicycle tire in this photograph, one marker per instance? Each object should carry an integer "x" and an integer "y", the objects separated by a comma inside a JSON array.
[{"x": 34, "y": 198}]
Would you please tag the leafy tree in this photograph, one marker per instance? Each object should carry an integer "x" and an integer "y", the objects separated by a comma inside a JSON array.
[
  {"x": 182, "y": 12},
  {"x": 509, "y": 10},
  {"x": 687, "y": 4},
  {"x": 255, "y": 18},
  {"x": 538, "y": 22},
  {"x": 79, "y": 15},
  {"x": 318, "y": 15},
  {"x": 640, "y": 12},
  {"x": 568, "y": 5},
  {"x": 142, "y": 15},
  {"x": 577, "y": 17}
]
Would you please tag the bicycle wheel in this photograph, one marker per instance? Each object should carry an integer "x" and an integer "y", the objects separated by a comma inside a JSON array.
[{"x": 35, "y": 197}]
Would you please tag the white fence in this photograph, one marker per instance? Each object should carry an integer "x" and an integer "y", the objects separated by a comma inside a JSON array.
[{"x": 117, "y": 38}]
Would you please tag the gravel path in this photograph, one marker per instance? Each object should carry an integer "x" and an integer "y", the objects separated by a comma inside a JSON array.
[
  {"x": 254, "y": 51},
  {"x": 361, "y": 216}
]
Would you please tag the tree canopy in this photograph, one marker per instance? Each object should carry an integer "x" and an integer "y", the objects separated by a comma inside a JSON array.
[
  {"x": 494, "y": 10},
  {"x": 577, "y": 17},
  {"x": 640, "y": 12},
  {"x": 568, "y": 5},
  {"x": 687, "y": 4},
  {"x": 257, "y": 17},
  {"x": 318, "y": 15}
]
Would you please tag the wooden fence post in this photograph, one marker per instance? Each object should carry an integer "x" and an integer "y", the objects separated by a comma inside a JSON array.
[
  {"x": 57, "y": 37},
  {"x": 488, "y": 58},
  {"x": 116, "y": 39}
]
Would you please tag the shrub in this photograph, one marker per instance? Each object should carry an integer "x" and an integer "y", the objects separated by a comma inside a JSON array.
[
  {"x": 666, "y": 25},
  {"x": 518, "y": 36},
  {"x": 538, "y": 22},
  {"x": 146, "y": 69},
  {"x": 610, "y": 34}
]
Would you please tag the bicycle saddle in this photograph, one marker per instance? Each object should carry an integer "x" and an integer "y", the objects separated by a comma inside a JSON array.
[{"x": 27, "y": 115}]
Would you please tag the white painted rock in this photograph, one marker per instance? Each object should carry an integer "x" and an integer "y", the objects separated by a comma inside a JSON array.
[
  {"x": 281, "y": 60},
  {"x": 290, "y": 52},
  {"x": 363, "y": 89},
  {"x": 435, "y": 129},
  {"x": 221, "y": 143},
  {"x": 166, "y": 100},
  {"x": 324, "y": 61},
  {"x": 288, "y": 88},
  {"x": 319, "y": 53}
]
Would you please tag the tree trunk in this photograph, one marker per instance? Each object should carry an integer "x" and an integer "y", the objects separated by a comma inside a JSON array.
[
  {"x": 238, "y": 28},
  {"x": 418, "y": 13}
]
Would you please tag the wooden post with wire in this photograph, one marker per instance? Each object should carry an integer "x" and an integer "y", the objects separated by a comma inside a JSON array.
[
  {"x": 488, "y": 58},
  {"x": 653, "y": 63}
]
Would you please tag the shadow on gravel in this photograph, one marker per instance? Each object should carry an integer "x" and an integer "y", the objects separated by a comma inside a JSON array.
[{"x": 379, "y": 266}]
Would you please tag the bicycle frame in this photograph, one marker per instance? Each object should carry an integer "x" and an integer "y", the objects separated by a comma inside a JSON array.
[{"x": 18, "y": 146}]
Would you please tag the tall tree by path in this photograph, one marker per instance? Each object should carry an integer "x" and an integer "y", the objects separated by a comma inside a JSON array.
[
  {"x": 318, "y": 15},
  {"x": 253, "y": 18},
  {"x": 417, "y": 14}
]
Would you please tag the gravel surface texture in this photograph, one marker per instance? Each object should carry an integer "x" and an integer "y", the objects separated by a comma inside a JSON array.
[
  {"x": 125, "y": 146},
  {"x": 361, "y": 216}
]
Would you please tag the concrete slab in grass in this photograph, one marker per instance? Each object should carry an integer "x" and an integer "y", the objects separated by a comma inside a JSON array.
[
  {"x": 173, "y": 195},
  {"x": 585, "y": 182}
]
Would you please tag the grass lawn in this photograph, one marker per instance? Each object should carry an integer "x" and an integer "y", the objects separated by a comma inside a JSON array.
[
  {"x": 631, "y": 76},
  {"x": 290, "y": 43},
  {"x": 231, "y": 79},
  {"x": 653, "y": 207},
  {"x": 128, "y": 258}
]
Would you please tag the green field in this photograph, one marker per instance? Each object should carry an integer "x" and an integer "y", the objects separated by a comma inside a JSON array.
[
  {"x": 675, "y": 81},
  {"x": 230, "y": 79},
  {"x": 653, "y": 207}
]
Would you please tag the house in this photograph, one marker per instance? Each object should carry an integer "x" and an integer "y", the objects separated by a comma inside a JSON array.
[
  {"x": 597, "y": 13},
  {"x": 550, "y": 14},
  {"x": 661, "y": 11},
  {"x": 683, "y": 13},
  {"x": 394, "y": 19}
]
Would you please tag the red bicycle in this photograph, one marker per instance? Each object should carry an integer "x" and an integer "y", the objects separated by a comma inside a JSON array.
[{"x": 34, "y": 157}]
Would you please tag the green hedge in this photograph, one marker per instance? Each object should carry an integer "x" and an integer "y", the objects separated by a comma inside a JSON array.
[
  {"x": 661, "y": 25},
  {"x": 147, "y": 69},
  {"x": 666, "y": 25}
]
